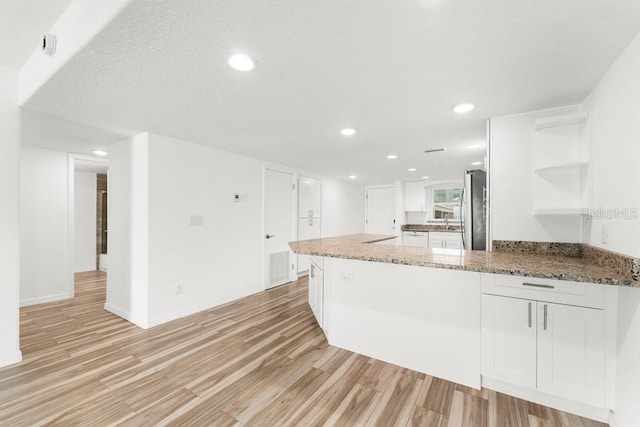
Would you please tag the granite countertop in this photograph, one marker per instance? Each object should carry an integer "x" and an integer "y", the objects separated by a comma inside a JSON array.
[
  {"x": 431, "y": 227},
  {"x": 557, "y": 267}
]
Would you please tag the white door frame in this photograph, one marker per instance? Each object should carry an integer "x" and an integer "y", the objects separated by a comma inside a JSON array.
[{"x": 71, "y": 190}]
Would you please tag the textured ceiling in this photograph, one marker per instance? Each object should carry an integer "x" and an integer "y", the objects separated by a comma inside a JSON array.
[
  {"x": 22, "y": 24},
  {"x": 391, "y": 69}
]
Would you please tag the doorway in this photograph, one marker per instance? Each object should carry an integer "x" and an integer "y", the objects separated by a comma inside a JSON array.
[
  {"x": 279, "y": 227},
  {"x": 381, "y": 210}
]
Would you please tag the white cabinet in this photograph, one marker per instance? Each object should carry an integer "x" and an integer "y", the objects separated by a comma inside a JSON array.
[
  {"x": 571, "y": 352},
  {"x": 309, "y": 198},
  {"x": 415, "y": 238},
  {"x": 509, "y": 340},
  {"x": 553, "y": 348},
  {"x": 448, "y": 240},
  {"x": 316, "y": 289},
  {"x": 415, "y": 196},
  {"x": 308, "y": 228},
  {"x": 309, "y": 211}
]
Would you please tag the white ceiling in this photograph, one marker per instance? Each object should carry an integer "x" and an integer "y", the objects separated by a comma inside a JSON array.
[
  {"x": 391, "y": 69},
  {"x": 22, "y": 24}
]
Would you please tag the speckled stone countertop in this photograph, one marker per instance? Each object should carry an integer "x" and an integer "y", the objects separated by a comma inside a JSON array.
[
  {"x": 431, "y": 227},
  {"x": 357, "y": 247}
]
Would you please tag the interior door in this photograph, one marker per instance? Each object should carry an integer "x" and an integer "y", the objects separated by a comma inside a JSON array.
[
  {"x": 279, "y": 227},
  {"x": 381, "y": 211}
]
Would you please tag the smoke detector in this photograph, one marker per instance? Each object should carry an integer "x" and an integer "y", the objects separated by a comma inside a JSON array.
[{"x": 49, "y": 42}]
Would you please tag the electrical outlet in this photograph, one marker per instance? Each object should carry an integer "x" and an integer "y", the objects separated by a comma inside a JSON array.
[
  {"x": 179, "y": 289},
  {"x": 605, "y": 234}
]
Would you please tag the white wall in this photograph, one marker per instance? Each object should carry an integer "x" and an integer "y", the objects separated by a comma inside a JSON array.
[
  {"x": 128, "y": 219},
  {"x": 9, "y": 208},
  {"x": 84, "y": 218},
  {"x": 156, "y": 184},
  {"x": 614, "y": 128},
  {"x": 511, "y": 184},
  {"x": 342, "y": 207},
  {"x": 44, "y": 262},
  {"x": 218, "y": 261}
]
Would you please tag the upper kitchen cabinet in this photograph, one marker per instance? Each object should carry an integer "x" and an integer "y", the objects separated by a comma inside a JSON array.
[
  {"x": 560, "y": 160},
  {"x": 309, "y": 215},
  {"x": 309, "y": 198},
  {"x": 415, "y": 196}
]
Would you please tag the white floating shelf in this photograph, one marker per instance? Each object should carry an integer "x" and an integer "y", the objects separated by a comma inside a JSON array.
[
  {"x": 565, "y": 120},
  {"x": 559, "y": 211},
  {"x": 565, "y": 165}
]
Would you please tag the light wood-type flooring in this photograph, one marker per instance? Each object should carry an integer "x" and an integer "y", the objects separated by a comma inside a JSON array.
[{"x": 259, "y": 361}]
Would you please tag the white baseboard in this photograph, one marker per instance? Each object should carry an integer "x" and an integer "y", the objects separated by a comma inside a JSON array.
[
  {"x": 136, "y": 320},
  {"x": 587, "y": 411},
  {"x": 45, "y": 299},
  {"x": 84, "y": 269},
  {"x": 11, "y": 359},
  {"x": 187, "y": 311},
  {"x": 103, "y": 269}
]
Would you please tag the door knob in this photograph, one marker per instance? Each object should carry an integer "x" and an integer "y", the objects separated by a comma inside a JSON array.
[{"x": 268, "y": 236}]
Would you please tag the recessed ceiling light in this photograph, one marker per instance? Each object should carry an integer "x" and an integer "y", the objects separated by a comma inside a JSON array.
[
  {"x": 347, "y": 131},
  {"x": 476, "y": 163},
  {"x": 412, "y": 169},
  {"x": 425, "y": 177},
  {"x": 352, "y": 176},
  {"x": 100, "y": 152},
  {"x": 472, "y": 146},
  {"x": 463, "y": 108},
  {"x": 241, "y": 63},
  {"x": 392, "y": 156}
]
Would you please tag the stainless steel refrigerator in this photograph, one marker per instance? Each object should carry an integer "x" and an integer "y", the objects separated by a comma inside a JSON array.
[{"x": 473, "y": 211}]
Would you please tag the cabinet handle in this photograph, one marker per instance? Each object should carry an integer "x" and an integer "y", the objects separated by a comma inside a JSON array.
[
  {"x": 313, "y": 276},
  {"x": 537, "y": 285},
  {"x": 544, "y": 323},
  {"x": 530, "y": 316}
]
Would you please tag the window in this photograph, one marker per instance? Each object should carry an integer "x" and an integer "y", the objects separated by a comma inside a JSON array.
[{"x": 446, "y": 202}]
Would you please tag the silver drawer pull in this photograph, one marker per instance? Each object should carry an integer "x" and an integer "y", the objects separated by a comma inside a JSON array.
[
  {"x": 529, "y": 315},
  {"x": 537, "y": 285}
]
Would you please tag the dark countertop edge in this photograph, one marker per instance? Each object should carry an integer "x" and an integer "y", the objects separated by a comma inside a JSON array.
[
  {"x": 490, "y": 270},
  {"x": 378, "y": 239}
]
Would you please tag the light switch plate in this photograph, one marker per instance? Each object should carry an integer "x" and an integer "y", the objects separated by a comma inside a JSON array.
[{"x": 196, "y": 220}]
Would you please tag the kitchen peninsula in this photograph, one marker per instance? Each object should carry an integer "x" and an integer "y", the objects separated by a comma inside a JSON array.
[{"x": 539, "y": 327}]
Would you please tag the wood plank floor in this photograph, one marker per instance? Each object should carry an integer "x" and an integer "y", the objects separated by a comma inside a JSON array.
[{"x": 260, "y": 361}]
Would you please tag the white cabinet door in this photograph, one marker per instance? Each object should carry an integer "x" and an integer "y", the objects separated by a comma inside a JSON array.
[
  {"x": 571, "y": 352},
  {"x": 417, "y": 239},
  {"x": 308, "y": 228},
  {"x": 414, "y": 196},
  {"x": 509, "y": 340},
  {"x": 452, "y": 240},
  {"x": 309, "y": 198},
  {"x": 449, "y": 240},
  {"x": 316, "y": 292}
]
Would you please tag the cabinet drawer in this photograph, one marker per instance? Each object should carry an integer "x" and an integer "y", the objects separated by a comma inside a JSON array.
[{"x": 560, "y": 291}]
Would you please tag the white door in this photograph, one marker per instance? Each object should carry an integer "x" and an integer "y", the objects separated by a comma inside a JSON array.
[
  {"x": 381, "y": 211},
  {"x": 509, "y": 340},
  {"x": 571, "y": 352},
  {"x": 279, "y": 227}
]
